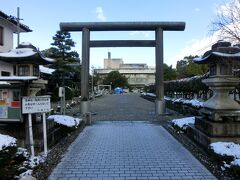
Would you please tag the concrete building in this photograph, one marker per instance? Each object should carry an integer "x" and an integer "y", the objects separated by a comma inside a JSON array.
[
  {"x": 112, "y": 63},
  {"x": 138, "y": 75},
  {"x": 9, "y": 26}
]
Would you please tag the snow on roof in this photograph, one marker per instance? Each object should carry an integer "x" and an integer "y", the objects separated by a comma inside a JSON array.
[
  {"x": 65, "y": 120},
  {"x": 21, "y": 52},
  {"x": 24, "y": 54},
  {"x": 25, "y": 43},
  {"x": 14, "y": 21},
  {"x": 4, "y": 83},
  {"x": 17, "y": 78},
  {"x": 6, "y": 141},
  {"x": 46, "y": 70},
  {"x": 218, "y": 54},
  {"x": 183, "y": 121}
]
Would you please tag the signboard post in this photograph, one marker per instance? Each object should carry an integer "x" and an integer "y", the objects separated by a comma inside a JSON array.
[{"x": 36, "y": 104}]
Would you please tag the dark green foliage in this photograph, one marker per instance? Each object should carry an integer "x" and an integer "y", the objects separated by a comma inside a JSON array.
[
  {"x": 115, "y": 79},
  {"x": 8, "y": 165},
  {"x": 186, "y": 87},
  {"x": 187, "y": 68},
  {"x": 69, "y": 94},
  {"x": 169, "y": 72},
  {"x": 67, "y": 63}
]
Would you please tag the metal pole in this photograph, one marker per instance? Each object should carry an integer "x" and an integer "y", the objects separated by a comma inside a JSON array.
[
  {"x": 85, "y": 71},
  {"x": 160, "y": 104},
  {"x": 44, "y": 134},
  {"x": 31, "y": 134},
  {"x": 64, "y": 101},
  {"x": 18, "y": 26}
]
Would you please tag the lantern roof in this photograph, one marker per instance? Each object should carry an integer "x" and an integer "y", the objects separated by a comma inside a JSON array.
[{"x": 222, "y": 50}]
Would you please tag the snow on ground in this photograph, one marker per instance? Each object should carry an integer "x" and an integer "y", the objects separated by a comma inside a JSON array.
[
  {"x": 193, "y": 102},
  {"x": 6, "y": 141},
  {"x": 183, "y": 121},
  {"x": 30, "y": 163},
  {"x": 227, "y": 149},
  {"x": 65, "y": 120}
]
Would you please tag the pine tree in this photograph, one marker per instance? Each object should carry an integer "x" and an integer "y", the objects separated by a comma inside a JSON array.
[{"x": 65, "y": 74}]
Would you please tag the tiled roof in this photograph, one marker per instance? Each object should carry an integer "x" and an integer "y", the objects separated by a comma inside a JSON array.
[{"x": 13, "y": 20}]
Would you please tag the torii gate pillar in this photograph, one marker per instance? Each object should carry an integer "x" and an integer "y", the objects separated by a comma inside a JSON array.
[
  {"x": 85, "y": 104},
  {"x": 159, "y": 103}
]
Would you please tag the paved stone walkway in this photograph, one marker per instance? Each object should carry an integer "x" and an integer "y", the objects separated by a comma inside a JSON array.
[
  {"x": 117, "y": 107},
  {"x": 128, "y": 150}
]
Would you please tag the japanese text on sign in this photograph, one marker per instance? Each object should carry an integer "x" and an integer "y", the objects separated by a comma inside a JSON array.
[{"x": 38, "y": 104}]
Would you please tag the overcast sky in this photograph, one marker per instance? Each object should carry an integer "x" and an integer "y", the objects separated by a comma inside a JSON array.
[{"x": 44, "y": 16}]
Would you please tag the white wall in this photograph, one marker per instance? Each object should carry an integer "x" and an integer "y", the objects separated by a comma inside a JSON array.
[
  {"x": 7, "y": 36},
  {"x": 6, "y": 67}
]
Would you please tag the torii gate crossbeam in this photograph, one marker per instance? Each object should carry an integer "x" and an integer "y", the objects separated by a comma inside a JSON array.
[{"x": 158, "y": 27}]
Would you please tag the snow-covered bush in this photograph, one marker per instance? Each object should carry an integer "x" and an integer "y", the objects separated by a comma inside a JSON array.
[
  {"x": 28, "y": 162},
  {"x": 228, "y": 153},
  {"x": 65, "y": 120},
  {"x": 181, "y": 124}
]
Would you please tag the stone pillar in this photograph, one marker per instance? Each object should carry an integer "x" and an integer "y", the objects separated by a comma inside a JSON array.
[
  {"x": 85, "y": 104},
  {"x": 159, "y": 104}
]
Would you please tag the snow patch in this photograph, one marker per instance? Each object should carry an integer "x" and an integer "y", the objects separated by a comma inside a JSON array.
[
  {"x": 193, "y": 102},
  {"x": 6, "y": 141},
  {"x": 227, "y": 149},
  {"x": 183, "y": 121},
  {"x": 65, "y": 120}
]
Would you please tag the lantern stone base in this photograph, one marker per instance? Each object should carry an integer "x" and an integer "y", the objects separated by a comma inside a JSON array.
[
  {"x": 218, "y": 129},
  {"x": 206, "y": 132},
  {"x": 221, "y": 115},
  {"x": 204, "y": 140}
]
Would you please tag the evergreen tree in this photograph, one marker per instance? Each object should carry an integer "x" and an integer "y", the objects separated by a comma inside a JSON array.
[
  {"x": 169, "y": 72},
  {"x": 115, "y": 79},
  {"x": 187, "y": 68},
  {"x": 66, "y": 74}
]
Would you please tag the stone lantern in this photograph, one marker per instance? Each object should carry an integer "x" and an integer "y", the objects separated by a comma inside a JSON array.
[{"x": 220, "y": 120}]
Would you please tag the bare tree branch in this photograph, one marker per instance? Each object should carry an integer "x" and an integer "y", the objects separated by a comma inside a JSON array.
[{"x": 227, "y": 21}]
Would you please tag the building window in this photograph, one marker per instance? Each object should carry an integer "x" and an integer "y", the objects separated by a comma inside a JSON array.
[
  {"x": 1, "y": 36},
  {"x": 35, "y": 71},
  {"x": 5, "y": 73},
  {"x": 24, "y": 70},
  {"x": 16, "y": 95},
  {"x": 14, "y": 70}
]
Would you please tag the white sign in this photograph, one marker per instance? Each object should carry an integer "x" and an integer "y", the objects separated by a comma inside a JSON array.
[{"x": 37, "y": 104}]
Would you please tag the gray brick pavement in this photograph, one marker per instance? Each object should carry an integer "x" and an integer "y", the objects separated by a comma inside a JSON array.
[{"x": 128, "y": 150}]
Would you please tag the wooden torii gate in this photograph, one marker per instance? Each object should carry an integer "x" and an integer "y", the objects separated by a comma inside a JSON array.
[{"x": 158, "y": 27}]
